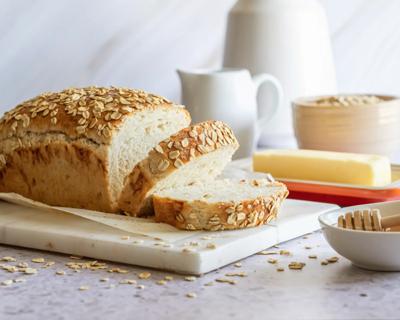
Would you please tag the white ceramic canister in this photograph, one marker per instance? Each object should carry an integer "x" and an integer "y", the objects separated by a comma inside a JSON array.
[{"x": 290, "y": 40}]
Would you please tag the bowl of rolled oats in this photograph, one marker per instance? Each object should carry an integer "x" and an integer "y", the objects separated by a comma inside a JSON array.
[{"x": 361, "y": 123}]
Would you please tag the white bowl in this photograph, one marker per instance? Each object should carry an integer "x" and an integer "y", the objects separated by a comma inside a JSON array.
[{"x": 365, "y": 249}]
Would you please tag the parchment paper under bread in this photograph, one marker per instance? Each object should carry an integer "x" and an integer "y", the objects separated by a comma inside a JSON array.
[{"x": 138, "y": 226}]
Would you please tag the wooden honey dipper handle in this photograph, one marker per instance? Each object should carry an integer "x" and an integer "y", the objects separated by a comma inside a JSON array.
[
  {"x": 390, "y": 221},
  {"x": 368, "y": 220}
]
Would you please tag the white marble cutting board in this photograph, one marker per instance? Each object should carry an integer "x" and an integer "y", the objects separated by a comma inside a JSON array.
[{"x": 66, "y": 233}]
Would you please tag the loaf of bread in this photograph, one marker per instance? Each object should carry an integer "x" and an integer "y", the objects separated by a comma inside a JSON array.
[
  {"x": 195, "y": 154},
  {"x": 74, "y": 148},
  {"x": 220, "y": 205}
]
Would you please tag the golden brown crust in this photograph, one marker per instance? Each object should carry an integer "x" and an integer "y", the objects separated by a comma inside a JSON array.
[
  {"x": 92, "y": 112},
  {"x": 201, "y": 215},
  {"x": 54, "y": 148},
  {"x": 168, "y": 156}
]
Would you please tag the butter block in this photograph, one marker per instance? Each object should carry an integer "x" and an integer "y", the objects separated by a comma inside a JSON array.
[{"x": 327, "y": 166}]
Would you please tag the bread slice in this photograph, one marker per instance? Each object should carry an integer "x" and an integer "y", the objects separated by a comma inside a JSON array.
[
  {"x": 220, "y": 205},
  {"x": 75, "y": 147},
  {"x": 195, "y": 154}
]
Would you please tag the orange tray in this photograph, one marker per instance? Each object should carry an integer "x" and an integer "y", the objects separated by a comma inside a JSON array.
[{"x": 340, "y": 194}]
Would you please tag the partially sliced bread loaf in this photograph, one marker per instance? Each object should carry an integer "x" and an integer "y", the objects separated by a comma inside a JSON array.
[
  {"x": 74, "y": 148},
  {"x": 220, "y": 205},
  {"x": 195, "y": 154}
]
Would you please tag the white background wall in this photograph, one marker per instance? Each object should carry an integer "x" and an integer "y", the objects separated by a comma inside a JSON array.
[{"x": 51, "y": 44}]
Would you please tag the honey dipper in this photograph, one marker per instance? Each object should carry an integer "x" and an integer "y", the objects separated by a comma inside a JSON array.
[{"x": 368, "y": 220}]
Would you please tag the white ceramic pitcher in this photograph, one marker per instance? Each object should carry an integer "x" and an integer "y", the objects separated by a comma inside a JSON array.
[
  {"x": 230, "y": 95},
  {"x": 290, "y": 40}
]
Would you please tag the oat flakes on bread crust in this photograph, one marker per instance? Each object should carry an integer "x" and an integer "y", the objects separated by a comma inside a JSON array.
[
  {"x": 196, "y": 153},
  {"x": 198, "y": 208},
  {"x": 72, "y": 148}
]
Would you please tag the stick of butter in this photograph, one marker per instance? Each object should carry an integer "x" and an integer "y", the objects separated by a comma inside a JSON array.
[{"x": 360, "y": 169}]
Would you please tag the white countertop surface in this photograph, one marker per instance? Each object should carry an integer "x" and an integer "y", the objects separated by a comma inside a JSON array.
[{"x": 334, "y": 291}]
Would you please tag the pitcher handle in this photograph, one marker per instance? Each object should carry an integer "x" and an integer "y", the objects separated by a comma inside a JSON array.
[{"x": 258, "y": 80}]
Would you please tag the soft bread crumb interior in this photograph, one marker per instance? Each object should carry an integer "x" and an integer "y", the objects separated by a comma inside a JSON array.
[
  {"x": 202, "y": 169},
  {"x": 223, "y": 190},
  {"x": 138, "y": 135}
]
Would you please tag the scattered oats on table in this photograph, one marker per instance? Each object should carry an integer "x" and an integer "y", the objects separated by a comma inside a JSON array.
[
  {"x": 38, "y": 260},
  {"x": 209, "y": 284},
  {"x": 138, "y": 241},
  {"x": 161, "y": 282},
  {"x": 60, "y": 272},
  {"x": 191, "y": 295},
  {"x": 30, "y": 271},
  {"x": 22, "y": 265},
  {"x": 211, "y": 246},
  {"x": 333, "y": 259},
  {"x": 48, "y": 264},
  {"x": 296, "y": 265},
  {"x": 307, "y": 247},
  {"x": 8, "y": 259},
  {"x": 188, "y": 250},
  {"x": 140, "y": 286},
  {"x": 312, "y": 256},
  {"x": 272, "y": 261},
  {"x": 236, "y": 274},
  {"x": 284, "y": 253},
  {"x": 128, "y": 281},
  {"x": 104, "y": 279},
  {"x": 7, "y": 282},
  {"x": 83, "y": 288},
  {"x": 169, "y": 278},
  {"x": 75, "y": 257},
  {"x": 125, "y": 237},
  {"x": 225, "y": 280},
  {"x": 324, "y": 262},
  {"x": 280, "y": 269},
  {"x": 144, "y": 275},
  {"x": 266, "y": 253},
  {"x": 190, "y": 278}
]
